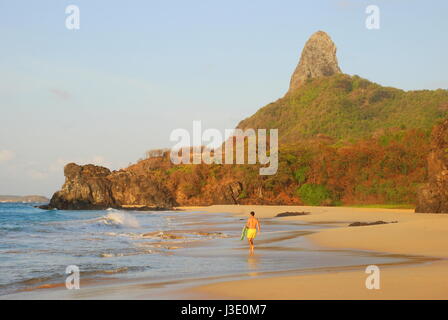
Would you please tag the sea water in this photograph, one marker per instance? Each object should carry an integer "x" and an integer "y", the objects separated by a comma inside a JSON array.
[{"x": 36, "y": 246}]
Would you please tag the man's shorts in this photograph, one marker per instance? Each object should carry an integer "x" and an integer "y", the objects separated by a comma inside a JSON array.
[{"x": 251, "y": 233}]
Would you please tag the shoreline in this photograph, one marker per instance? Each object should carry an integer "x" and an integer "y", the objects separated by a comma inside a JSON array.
[
  {"x": 414, "y": 234},
  {"x": 420, "y": 240}
]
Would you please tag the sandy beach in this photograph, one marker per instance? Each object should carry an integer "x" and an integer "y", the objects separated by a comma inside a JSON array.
[
  {"x": 196, "y": 253},
  {"x": 419, "y": 235}
]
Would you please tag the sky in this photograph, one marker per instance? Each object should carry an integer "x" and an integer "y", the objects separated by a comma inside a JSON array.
[{"x": 137, "y": 70}]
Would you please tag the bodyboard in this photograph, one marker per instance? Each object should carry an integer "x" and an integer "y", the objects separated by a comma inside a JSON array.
[{"x": 244, "y": 233}]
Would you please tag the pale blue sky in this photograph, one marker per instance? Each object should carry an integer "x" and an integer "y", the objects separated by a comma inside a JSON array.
[{"x": 136, "y": 70}]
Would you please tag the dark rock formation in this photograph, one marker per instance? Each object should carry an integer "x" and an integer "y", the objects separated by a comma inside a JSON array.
[
  {"x": 232, "y": 192},
  {"x": 85, "y": 187},
  {"x": 130, "y": 188},
  {"x": 318, "y": 59},
  {"x": 361, "y": 224},
  {"x": 93, "y": 187},
  {"x": 433, "y": 197},
  {"x": 292, "y": 214}
]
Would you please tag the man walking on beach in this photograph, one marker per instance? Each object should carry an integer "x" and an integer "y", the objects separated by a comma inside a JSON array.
[{"x": 252, "y": 225}]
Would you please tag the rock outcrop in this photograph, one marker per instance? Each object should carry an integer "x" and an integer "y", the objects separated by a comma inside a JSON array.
[
  {"x": 93, "y": 187},
  {"x": 231, "y": 192},
  {"x": 85, "y": 187},
  {"x": 318, "y": 59},
  {"x": 433, "y": 197}
]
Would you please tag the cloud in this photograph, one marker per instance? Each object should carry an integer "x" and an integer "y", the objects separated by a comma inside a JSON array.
[
  {"x": 6, "y": 155},
  {"x": 61, "y": 94},
  {"x": 36, "y": 174}
]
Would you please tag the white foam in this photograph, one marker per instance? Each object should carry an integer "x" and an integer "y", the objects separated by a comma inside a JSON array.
[{"x": 121, "y": 219}]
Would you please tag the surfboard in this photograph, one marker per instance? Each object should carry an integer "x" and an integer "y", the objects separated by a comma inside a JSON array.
[{"x": 244, "y": 233}]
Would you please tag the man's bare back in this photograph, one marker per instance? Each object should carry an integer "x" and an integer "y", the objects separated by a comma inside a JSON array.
[{"x": 252, "y": 223}]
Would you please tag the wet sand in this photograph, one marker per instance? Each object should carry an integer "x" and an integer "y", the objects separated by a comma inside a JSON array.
[
  {"x": 418, "y": 235},
  {"x": 410, "y": 282}
]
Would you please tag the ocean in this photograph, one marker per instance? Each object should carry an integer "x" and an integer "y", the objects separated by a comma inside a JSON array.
[{"x": 36, "y": 246}]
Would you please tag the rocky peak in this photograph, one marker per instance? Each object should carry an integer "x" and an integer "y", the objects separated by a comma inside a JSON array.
[{"x": 318, "y": 59}]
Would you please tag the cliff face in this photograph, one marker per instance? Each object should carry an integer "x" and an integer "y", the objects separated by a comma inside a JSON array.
[
  {"x": 433, "y": 197},
  {"x": 95, "y": 187},
  {"x": 318, "y": 59},
  {"x": 91, "y": 187}
]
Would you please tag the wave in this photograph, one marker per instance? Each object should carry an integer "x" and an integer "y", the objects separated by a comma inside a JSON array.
[
  {"x": 54, "y": 280},
  {"x": 5, "y": 229},
  {"x": 126, "y": 254},
  {"x": 117, "y": 218},
  {"x": 113, "y": 218}
]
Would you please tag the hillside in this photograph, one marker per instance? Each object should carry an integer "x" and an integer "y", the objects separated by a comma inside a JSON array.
[{"x": 348, "y": 108}]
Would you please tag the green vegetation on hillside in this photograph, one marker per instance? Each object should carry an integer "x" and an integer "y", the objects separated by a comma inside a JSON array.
[
  {"x": 348, "y": 108},
  {"x": 314, "y": 194}
]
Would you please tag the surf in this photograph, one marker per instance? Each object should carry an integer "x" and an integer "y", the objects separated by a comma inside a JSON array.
[{"x": 117, "y": 218}]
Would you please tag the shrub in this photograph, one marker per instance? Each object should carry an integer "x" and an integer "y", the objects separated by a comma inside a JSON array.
[
  {"x": 243, "y": 195},
  {"x": 300, "y": 174},
  {"x": 314, "y": 194}
]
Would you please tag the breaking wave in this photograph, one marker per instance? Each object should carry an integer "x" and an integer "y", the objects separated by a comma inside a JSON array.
[{"x": 117, "y": 218}]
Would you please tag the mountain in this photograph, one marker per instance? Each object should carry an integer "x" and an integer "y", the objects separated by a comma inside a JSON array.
[
  {"x": 342, "y": 140},
  {"x": 323, "y": 101},
  {"x": 32, "y": 198}
]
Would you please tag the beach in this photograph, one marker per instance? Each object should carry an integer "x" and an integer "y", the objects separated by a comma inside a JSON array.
[
  {"x": 419, "y": 235},
  {"x": 126, "y": 254},
  {"x": 196, "y": 253}
]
